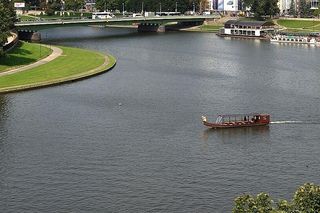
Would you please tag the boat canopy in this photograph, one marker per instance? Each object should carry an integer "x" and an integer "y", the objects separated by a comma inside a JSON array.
[{"x": 242, "y": 115}]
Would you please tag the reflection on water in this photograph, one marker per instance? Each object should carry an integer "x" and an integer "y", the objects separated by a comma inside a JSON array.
[
  {"x": 3, "y": 113},
  {"x": 237, "y": 134}
]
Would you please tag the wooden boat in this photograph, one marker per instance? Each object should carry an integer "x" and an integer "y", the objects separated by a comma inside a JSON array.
[{"x": 238, "y": 120}]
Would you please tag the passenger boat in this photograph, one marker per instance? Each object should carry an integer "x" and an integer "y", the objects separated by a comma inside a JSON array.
[
  {"x": 238, "y": 120},
  {"x": 293, "y": 39}
]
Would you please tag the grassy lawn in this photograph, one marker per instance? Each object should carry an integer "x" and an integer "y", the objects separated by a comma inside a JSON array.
[
  {"x": 74, "y": 63},
  {"x": 25, "y": 53},
  {"x": 210, "y": 28},
  {"x": 299, "y": 24},
  {"x": 27, "y": 18}
]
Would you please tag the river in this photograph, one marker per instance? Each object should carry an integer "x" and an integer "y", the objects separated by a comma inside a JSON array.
[{"x": 131, "y": 139}]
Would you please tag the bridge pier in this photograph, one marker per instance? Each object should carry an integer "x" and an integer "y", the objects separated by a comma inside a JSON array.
[
  {"x": 189, "y": 23},
  {"x": 29, "y": 35},
  {"x": 151, "y": 27}
]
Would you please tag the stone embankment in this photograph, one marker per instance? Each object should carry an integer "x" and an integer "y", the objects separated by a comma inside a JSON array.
[{"x": 11, "y": 42}]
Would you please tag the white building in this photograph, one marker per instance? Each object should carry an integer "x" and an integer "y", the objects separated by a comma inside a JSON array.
[
  {"x": 284, "y": 6},
  {"x": 254, "y": 29},
  {"x": 211, "y": 4},
  {"x": 228, "y": 5},
  {"x": 314, "y": 4}
]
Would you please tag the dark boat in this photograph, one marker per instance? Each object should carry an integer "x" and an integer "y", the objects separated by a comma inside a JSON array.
[{"x": 238, "y": 120}]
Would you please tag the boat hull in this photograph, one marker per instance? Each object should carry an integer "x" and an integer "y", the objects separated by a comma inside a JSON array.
[{"x": 232, "y": 125}]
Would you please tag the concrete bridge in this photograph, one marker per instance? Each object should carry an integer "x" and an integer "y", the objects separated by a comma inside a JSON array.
[{"x": 145, "y": 24}]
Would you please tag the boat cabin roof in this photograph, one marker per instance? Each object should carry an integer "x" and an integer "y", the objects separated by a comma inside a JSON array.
[
  {"x": 249, "y": 23},
  {"x": 243, "y": 115}
]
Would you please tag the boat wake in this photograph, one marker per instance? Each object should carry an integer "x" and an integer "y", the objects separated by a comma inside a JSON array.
[
  {"x": 286, "y": 122},
  {"x": 294, "y": 122}
]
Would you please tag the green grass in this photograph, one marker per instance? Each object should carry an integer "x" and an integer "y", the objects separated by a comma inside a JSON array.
[
  {"x": 303, "y": 24},
  {"x": 27, "y": 18},
  {"x": 25, "y": 53},
  {"x": 73, "y": 64},
  {"x": 210, "y": 28}
]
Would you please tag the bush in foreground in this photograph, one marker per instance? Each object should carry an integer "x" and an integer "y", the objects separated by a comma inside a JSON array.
[{"x": 305, "y": 200}]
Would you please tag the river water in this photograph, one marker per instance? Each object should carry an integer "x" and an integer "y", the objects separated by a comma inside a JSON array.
[{"x": 131, "y": 140}]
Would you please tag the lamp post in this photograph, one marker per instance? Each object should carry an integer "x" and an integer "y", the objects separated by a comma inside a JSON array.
[
  {"x": 123, "y": 9},
  {"x": 160, "y": 9},
  {"x": 193, "y": 8},
  {"x": 176, "y": 6},
  {"x": 141, "y": 8}
]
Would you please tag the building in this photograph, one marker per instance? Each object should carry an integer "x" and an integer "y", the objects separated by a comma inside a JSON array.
[
  {"x": 254, "y": 29},
  {"x": 224, "y": 5},
  {"x": 236, "y": 5},
  {"x": 314, "y": 4},
  {"x": 284, "y": 5}
]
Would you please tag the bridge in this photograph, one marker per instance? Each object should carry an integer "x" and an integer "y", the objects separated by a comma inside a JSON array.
[{"x": 150, "y": 24}]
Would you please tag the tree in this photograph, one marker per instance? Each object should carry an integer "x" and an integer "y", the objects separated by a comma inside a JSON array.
[
  {"x": 262, "y": 203},
  {"x": 104, "y": 5},
  {"x": 316, "y": 12},
  {"x": 304, "y": 8},
  {"x": 150, "y": 5},
  {"x": 7, "y": 19},
  {"x": 271, "y": 7},
  {"x": 257, "y": 9},
  {"x": 292, "y": 10},
  {"x": 306, "y": 200},
  {"x": 262, "y": 8},
  {"x": 52, "y": 6},
  {"x": 74, "y": 5}
]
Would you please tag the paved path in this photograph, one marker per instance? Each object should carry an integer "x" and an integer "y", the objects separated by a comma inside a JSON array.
[{"x": 56, "y": 52}]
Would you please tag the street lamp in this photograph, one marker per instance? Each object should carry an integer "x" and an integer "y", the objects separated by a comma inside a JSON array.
[
  {"x": 160, "y": 9},
  {"x": 142, "y": 8},
  {"x": 193, "y": 8},
  {"x": 176, "y": 6},
  {"x": 123, "y": 9}
]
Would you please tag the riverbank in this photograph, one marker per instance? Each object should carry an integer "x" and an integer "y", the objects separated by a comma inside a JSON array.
[
  {"x": 299, "y": 26},
  {"x": 72, "y": 64}
]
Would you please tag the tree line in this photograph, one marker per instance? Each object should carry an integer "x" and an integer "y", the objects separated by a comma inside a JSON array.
[
  {"x": 129, "y": 5},
  {"x": 304, "y": 9},
  {"x": 262, "y": 8}
]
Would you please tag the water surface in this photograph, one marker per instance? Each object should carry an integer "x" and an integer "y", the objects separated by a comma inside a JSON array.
[{"x": 131, "y": 140}]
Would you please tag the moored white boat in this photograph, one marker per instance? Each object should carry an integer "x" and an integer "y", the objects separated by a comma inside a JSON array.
[{"x": 294, "y": 39}]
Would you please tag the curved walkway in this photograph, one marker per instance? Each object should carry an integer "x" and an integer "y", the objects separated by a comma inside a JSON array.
[
  {"x": 56, "y": 52},
  {"x": 102, "y": 68}
]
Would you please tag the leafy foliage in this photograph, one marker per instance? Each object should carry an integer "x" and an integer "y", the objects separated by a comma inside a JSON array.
[
  {"x": 74, "y": 5},
  {"x": 52, "y": 6},
  {"x": 316, "y": 12},
  {"x": 262, "y": 8},
  {"x": 306, "y": 200},
  {"x": 305, "y": 8},
  {"x": 292, "y": 10},
  {"x": 7, "y": 18}
]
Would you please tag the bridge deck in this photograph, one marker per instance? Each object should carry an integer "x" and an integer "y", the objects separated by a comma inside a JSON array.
[{"x": 115, "y": 20}]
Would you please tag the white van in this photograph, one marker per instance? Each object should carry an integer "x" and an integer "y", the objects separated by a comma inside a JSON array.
[
  {"x": 102, "y": 15},
  {"x": 136, "y": 15}
]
